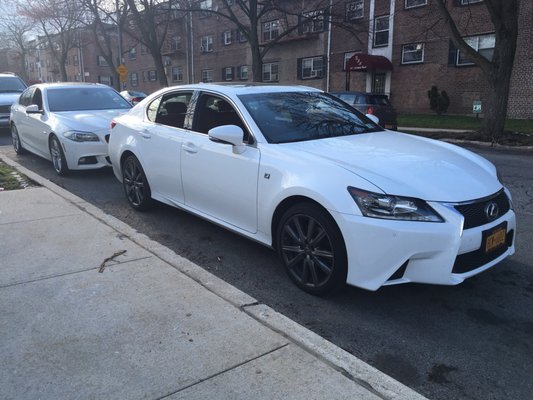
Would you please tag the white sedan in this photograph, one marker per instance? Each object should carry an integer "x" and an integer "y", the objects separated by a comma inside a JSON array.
[
  {"x": 338, "y": 197},
  {"x": 66, "y": 123}
]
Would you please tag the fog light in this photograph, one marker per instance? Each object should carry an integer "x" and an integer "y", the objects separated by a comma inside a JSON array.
[{"x": 87, "y": 160}]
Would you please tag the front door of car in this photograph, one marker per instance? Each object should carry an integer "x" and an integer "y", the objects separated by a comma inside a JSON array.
[
  {"x": 218, "y": 181},
  {"x": 38, "y": 127}
]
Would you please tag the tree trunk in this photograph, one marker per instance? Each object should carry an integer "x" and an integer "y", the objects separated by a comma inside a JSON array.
[
  {"x": 63, "y": 70},
  {"x": 161, "y": 74},
  {"x": 257, "y": 64},
  {"x": 496, "y": 111}
]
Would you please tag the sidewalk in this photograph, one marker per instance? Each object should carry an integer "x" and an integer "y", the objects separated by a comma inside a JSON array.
[{"x": 146, "y": 324}]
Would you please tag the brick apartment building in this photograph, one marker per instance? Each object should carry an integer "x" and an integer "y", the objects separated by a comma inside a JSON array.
[{"x": 407, "y": 33}]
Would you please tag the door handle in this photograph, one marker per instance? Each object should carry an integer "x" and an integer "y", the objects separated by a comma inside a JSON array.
[
  {"x": 190, "y": 148},
  {"x": 145, "y": 133}
]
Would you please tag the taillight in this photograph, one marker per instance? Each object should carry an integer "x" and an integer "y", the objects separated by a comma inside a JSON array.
[
  {"x": 112, "y": 125},
  {"x": 135, "y": 100},
  {"x": 370, "y": 110}
]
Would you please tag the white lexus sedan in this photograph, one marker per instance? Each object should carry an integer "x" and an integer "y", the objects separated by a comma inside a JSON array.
[
  {"x": 66, "y": 123},
  {"x": 341, "y": 199}
]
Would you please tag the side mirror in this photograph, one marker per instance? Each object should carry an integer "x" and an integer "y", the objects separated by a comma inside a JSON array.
[
  {"x": 33, "y": 109},
  {"x": 373, "y": 118},
  {"x": 228, "y": 134}
]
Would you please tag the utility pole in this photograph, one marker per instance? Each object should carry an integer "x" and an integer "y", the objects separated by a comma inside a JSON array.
[{"x": 119, "y": 32}]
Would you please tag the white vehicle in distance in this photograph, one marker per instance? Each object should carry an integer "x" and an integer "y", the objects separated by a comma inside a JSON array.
[
  {"x": 67, "y": 123},
  {"x": 341, "y": 199}
]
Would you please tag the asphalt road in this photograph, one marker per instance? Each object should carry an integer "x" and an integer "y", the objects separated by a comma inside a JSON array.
[{"x": 472, "y": 341}]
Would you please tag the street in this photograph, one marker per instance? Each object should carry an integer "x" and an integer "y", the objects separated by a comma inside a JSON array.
[{"x": 472, "y": 341}]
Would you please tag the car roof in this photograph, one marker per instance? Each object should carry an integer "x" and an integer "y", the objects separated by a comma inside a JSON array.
[
  {"x": 69, "y": 85},
  {"x": 245, "y": 88}
]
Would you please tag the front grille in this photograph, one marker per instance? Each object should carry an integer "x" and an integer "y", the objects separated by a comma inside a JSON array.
[
  {"x": 5, "y": 109},
  {"x": 474, "y": 213},
  {"x": 475, "y": 259}
]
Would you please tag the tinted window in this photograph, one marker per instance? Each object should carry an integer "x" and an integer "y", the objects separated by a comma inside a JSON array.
[
  {"x": 379, "y": 100},
  {"x": 89, "y": 98},
  {"x": 11, "y": 84},
  {"x": 213, "y": 111},
  {"x": 299, "y": 116},
  {"x": 173, "y": 109},
  {"x": 25, "y": 98}
]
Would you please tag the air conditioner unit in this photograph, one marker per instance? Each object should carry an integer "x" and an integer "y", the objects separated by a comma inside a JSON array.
[
  {"x": 314, "y": 73},
  {"x": 202, "y": 49}
]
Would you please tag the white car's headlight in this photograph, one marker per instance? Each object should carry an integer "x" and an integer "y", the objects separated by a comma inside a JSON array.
[
  {"x": 377, "y": 205},
  {"x": 82, "y": 136}
]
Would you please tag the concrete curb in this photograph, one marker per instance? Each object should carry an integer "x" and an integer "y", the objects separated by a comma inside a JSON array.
[{"x": 350, "y": 366}]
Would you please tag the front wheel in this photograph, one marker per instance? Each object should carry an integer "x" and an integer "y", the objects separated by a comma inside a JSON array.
[
  {"x": 312, "y": 249},
  {"x": 135, "y": 184},
  {"x": 58, "y": 156},
  {"x": 17, "y": 145}
]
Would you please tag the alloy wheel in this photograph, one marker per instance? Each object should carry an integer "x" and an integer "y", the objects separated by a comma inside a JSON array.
[{"x": 307, "y": 251}]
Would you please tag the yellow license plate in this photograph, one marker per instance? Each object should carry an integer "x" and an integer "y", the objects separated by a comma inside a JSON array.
[{"x": 495, "y": 239}]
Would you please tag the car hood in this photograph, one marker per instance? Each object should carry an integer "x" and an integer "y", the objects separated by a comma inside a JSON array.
[
  {"x": 406, "y": 165},
  {"x": 8, "y": 98},
  {"x": 87, "y": 121}
]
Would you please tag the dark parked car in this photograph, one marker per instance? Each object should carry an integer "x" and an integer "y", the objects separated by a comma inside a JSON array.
[
  {"x": 133, "y": 97},
  {"x": 11, "y": 86},
  {"x": 370, "y": 103}
]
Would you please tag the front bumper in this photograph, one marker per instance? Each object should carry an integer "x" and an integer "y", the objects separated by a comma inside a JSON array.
[
  {"x": 387, "y": 252},
  {"x": 86, "y": 155}
]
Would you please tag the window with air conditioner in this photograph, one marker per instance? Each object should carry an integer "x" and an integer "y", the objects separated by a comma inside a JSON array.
[
  {"x": 354, "y": 10},
  {"x": 312, "y": 68},
  {"x": 271, "y": 30},
  {"x": 312, "y": 21},
  {"x": 413, "y": 53}
]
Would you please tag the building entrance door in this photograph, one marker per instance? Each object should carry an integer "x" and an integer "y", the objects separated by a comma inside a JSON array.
[{"x": 378, "y": 82}]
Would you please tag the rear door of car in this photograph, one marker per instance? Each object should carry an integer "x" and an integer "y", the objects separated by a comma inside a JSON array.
[
  {"x": 160, "y": 140},
  {"x": 217, "y": 181}
]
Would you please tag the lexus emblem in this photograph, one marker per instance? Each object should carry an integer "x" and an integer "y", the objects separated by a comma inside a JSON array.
[{"x": 492, "y": 211}]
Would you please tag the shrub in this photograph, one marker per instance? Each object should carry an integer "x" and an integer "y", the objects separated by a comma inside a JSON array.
[{"x": 438, "y": 102}]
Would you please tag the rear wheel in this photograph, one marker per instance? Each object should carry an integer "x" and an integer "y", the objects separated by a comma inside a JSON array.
[
  {"x": 17, "y": 145},
  {"x": 58, "y": 156},
  {"x": 312, "y": 249},
  {"x": 135, "y": 184}
]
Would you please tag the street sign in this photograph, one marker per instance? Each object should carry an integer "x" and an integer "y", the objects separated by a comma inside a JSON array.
[
  {"x": 476, "y": 107},
  {"x": 122, "y": 70}
]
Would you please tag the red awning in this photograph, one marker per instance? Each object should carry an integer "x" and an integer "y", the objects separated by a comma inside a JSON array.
[{"x": 367, "y": 62}]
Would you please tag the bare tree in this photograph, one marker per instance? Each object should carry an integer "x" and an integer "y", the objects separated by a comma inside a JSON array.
[
  {"x": 15, "y": 30},
  {"x": 106, "y": 21},
  {"x": 498, "y": 70},
  {"x": 59, "y": 22},
  {"x": 151, "y": 20},
  {"x": 249, "y": 15}
]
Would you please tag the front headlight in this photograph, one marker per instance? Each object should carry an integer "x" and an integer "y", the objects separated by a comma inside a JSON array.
[
  {"x": 82, "y": 136},
  {"x": 377, "y": 205}
]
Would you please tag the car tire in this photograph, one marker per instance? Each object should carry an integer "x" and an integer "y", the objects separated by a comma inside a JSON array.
[
  {"x": 135, "y": 184},
  {"x": 17, "y": 145},
  {"x": 312, "y": 249},
  {"x": 58, "y": 156}
]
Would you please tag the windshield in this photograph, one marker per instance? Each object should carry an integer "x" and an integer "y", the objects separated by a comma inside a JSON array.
[
  {"x": 86, "y": 98},
  {"x": 298, "y": 116},
  {"x": 11, "y": 84}
]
